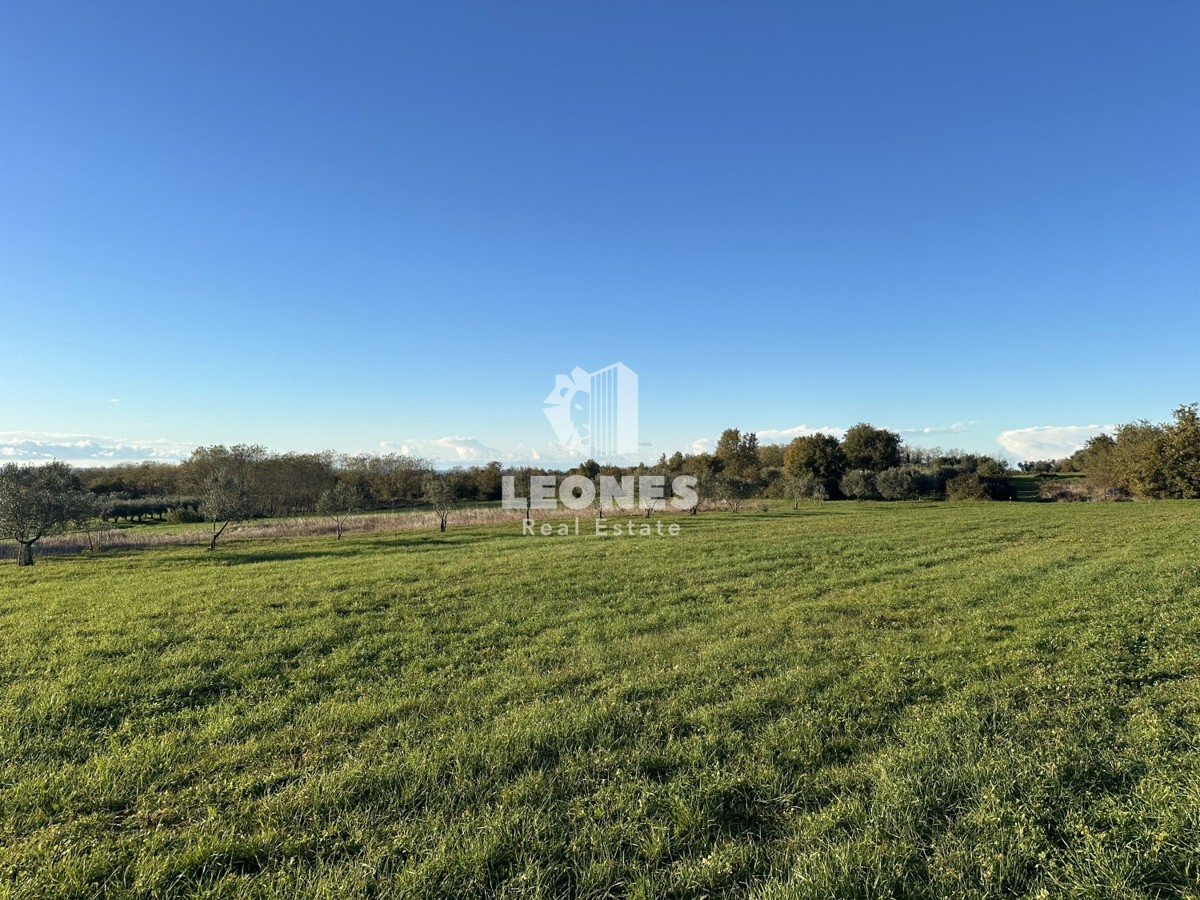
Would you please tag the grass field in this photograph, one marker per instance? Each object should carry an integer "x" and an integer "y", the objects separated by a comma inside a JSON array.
[{"x": 849, "y": 700}]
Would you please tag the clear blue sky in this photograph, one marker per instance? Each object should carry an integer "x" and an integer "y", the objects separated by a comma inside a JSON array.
[{"x": 360, "y": 226}]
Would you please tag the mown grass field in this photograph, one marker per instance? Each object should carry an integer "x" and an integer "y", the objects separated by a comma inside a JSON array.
[{"x": 849, "y": 700}]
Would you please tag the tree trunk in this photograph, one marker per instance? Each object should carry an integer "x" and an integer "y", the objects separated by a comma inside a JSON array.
[
  {"x": 212, "y": 545},
  {"x": 442, "y": 525},
  {"x": 25, "y": 553}
]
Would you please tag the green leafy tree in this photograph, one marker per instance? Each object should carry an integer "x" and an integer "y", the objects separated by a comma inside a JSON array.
[
  {"x": 870, "y": 448},
  {"x": 1139, "y": 460},
  {"x": 770, "y": 456},
  {"x": 818, "y": 455},
  {"x": 36, "y": 501},
  {"x": 738, "y": 454},
  {"x": 1181, "y": 453}
]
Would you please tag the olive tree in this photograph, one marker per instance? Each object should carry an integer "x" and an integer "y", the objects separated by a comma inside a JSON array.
[
  {"x": 339, "y": 503},
  {"x": 39, "y": 500},
  {"x": 734, "y": 492},
  {"x": 226, "y": 499},
  {"x": 440, "y": 494},
  {"x": 859, "y": 484}
]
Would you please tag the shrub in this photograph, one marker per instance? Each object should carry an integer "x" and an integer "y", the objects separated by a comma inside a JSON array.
[
  {"x": 859, "y": 485},
  {"x": 899, "y": 483},
  {"x": 181, "y": 515},
  {"x": 968, "y": 486}
]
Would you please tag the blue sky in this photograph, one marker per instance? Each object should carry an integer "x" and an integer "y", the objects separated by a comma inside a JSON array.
[{"x": 380, "y": 226}]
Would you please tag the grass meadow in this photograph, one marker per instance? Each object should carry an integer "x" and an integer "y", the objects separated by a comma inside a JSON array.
[{"x": 845, "y": 700}]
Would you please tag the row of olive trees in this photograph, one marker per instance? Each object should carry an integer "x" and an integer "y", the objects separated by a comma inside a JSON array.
[
  {"x": 39, "y": 501},
  {"x": 229, "y": 499},
  {"x": 290, "y": 483}
]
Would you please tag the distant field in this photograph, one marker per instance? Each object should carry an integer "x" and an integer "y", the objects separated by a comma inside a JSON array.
[{"x": 849, "y": 700}]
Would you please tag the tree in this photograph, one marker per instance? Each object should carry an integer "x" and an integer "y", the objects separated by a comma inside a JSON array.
[
  {"x": 1139, "y": 459},
  {"x": 488, "y": 481},
  {"x": 226, "y": 499},
  {"x": 705, "y": 488},
  {"x": 439, "y": 493},
  {"x": 793, "y": 487},
  {"x": 339, "y": 503},
  {"x": 859, "y": 484},
  {"x": 1181, "y": 452},
  {"x": 738, "y": 454},
  {"x": 899, "y": 483},
  {"x": 967, "y": 486},
  {"x": 733, "y": 492},
  {"x": 872, "y": 449},
  {"x": 39, "y": 500},
  {"x": 818, "y": 455},
  {"x": 770, "y": 456}
]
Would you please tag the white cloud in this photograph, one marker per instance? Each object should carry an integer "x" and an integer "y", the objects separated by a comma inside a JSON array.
[
  {"x": 956, "y": 428},
  {"x": 1050, "y": 441},
  {"x": 87, "y": 450},
  {"x": 452, "y": 450},
  {"x": 446, "y": 452},
  {"x": 701, "y": 445},
  {"x": 785, "y": 435}
]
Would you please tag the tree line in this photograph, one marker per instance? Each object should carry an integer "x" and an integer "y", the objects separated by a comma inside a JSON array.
[
  {"x": 1140, "y": 460},
  {"x": 223, "y": 485}
]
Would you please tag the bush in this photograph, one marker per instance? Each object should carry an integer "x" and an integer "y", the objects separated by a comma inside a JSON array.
[
  {"x": 181, "y": 515},
  {"x": 967, "y": 487},
  {"x": 899, "y": 483},
  {"x": 1066, "y": 490},
  {"x": 859, "y": 485}
]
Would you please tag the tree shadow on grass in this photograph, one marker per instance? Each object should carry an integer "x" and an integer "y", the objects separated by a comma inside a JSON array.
[{"x": 234, "y": 556}]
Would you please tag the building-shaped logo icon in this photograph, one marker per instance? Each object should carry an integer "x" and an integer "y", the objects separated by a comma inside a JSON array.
[
  {"x": 613, "y": 426},
  {"x": 595, "y": 414}
]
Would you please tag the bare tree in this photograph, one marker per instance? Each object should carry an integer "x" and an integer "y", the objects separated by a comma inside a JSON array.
[
  {"x": 39, "y": 500},
  {"x": 440, "y": 494},
  {"x": 339, "y": 503},
  {"x": 226, "y": 499},
  {"x": 734, "y": 492},
  {"x": 598, "y": 498}
]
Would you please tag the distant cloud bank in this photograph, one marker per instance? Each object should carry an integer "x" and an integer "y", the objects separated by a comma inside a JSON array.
[
  {"x": 452, "y": 450},
  {"x": 1050, "y": 441},
  {"x": 86, "y": 450}
]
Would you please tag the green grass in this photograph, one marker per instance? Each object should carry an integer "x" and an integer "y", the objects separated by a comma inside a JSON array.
[
  {"x": 1027, "y": 488},
  {"x": 852, "y": 700}
]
